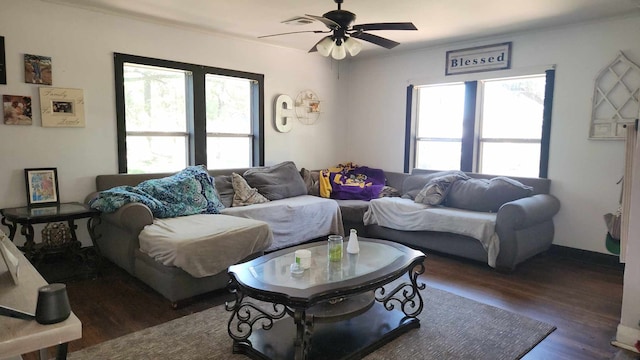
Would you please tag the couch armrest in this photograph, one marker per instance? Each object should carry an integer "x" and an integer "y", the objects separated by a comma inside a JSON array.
[
  {"x": 132, "y": 216},
  {"x": 525, "y": 212},
  {"x": 91, "y": 196}
]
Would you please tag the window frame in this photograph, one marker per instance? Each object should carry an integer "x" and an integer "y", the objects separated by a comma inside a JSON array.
[
  {"x": 196, "y": 108},
  {"x": 471, "y": 145}
]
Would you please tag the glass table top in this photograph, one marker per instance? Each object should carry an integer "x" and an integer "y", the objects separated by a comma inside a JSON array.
[
  {"x": 62, "y": 209},
  {"x": 372, "y": 257}
]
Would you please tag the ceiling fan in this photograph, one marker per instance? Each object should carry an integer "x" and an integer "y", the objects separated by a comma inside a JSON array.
[{"x": 343, "y": 33}]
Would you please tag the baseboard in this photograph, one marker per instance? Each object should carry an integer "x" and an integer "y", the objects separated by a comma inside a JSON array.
[
  {"x": 626, "y": 338},
  {"x": 588, "y": 256}
]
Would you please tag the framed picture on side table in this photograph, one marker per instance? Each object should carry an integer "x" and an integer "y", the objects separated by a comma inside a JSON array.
[
  {"x": 12, "y": 262},
  {"x": 42, "y": 186}
]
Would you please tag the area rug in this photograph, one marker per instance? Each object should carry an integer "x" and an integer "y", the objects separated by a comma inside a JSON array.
[{"x": 451, "y": 327}]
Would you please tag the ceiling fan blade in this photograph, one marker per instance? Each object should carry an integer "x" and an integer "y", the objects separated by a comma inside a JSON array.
[
  {"x": 385, "y": 26},
  {"x": 330, "y": 23},
  {"x": 295, "y": 32},
  {"x": 375, "y": 39}
]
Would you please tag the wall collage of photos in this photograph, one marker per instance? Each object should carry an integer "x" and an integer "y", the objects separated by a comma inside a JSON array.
[{"x": 38, "y": 70}]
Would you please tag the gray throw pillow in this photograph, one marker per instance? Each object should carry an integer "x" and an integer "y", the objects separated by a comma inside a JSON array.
[
  {"x": 311, "y": 181},
  {"x": 243, "y": 194},
  {"x": 414, "y": 183},
  {"x": 276, "y": 182},
  {"x": 225, "y": 189},
  {"x": 486, "y": 195},
  {"x": 436, "y": 190}
]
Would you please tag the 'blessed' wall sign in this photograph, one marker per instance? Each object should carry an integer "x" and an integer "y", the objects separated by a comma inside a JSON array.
[{"x": 477, "y": 59}]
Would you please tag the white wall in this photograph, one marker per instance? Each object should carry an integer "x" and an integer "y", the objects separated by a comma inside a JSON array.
[
  {"x": 81, "y": 44},
  {"x": 584, "y": 172}
]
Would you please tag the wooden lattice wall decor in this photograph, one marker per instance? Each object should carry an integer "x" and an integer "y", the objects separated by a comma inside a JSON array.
[{"x": 615, "y": 99}]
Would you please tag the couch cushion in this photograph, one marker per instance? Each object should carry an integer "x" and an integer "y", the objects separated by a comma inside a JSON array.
[
  {"x": 311, "y": 181},
  {"x": 407, "y": 215},
  {"x": 389, "y": 191},
  {"x": 414, "y": 183},
  {"x": 486, "y": 195},
  {"x": 277, "y": 182},
  {"x": 353, "y": 210},
  {"x": 243, "y": 194},
  {"x": 436, "y": 190},
  {"x": 296, "y": 219},
  {"x": 204, "y": 245},
  {"x": 224, "y": 187}
]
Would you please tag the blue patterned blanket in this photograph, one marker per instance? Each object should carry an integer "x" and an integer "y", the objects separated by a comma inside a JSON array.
[{"x": 191, "y": 191}]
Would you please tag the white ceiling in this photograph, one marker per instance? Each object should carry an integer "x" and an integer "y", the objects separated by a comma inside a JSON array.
[{"x": 438, "y": 21}]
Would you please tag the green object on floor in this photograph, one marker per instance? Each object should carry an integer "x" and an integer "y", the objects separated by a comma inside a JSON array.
[{"x": 612, "y": 244}]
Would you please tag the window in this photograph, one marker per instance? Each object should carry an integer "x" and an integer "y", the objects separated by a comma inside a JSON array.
[
  {"x": 439, "y": 130},
  {"x": 172, "y": 114},
  {"x": 497, "y": 126},
  {"x": 511, "y": 126}
]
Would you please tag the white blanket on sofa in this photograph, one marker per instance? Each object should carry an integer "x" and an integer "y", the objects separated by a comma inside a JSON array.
[
  {"x": 296, "y": 219},
  {"x": 405, "y": 214},
  {"x": 204, "y": 244}
]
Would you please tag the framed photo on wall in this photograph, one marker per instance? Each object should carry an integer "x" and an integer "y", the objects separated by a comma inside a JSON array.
[
  {"x": 62, "y": 107},
  {"x": 37, "y": 69},
  {"x": 17, "y": 109},
  {"x": 42, "y": 186}
]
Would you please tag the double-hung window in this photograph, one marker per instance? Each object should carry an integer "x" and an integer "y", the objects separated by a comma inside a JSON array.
[
  {"x": 173, "y": 114},
  {"x": 493, "y": 126}
]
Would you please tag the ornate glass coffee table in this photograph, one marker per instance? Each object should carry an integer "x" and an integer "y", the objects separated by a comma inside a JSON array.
[{"x": 334, "y": 310}]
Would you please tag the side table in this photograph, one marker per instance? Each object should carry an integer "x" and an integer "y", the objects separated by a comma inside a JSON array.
[
  {"x": 26, "y": 217},
  {"x": 24, "y": 336}
]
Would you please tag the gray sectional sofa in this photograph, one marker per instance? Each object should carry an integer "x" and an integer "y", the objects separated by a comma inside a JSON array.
[
  {"x": 524, "y": 227},
  {"x": 236, "y": 235}
]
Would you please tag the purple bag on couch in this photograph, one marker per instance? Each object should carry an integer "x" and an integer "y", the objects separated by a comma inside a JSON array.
[{"x": 357, "y": 183}]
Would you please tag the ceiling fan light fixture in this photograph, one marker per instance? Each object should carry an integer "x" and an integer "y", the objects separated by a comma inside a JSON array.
[
  {"x": 325, "y": 46},
  {"x": 339, "y": 52},
  {"x": 353, "y": 46}
]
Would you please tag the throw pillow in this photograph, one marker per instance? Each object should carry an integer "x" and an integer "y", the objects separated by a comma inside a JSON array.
[
  {"x": 435, "y": 191},
  {"x": 276, "y": 182},
  {"x": 311, "y": 181},
  {"x": 243, "y": 194},
  {"x": 486, "y": 195},
  {"x": 224, "y": 187},
  {"x": 389, "y": 191},
  {"x": 416, "y": 182},
  {"x": 503, "y": 189}
]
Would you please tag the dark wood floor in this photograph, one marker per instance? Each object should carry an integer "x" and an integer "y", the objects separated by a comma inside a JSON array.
[{"x": 582, "y": 299}]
